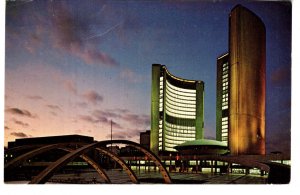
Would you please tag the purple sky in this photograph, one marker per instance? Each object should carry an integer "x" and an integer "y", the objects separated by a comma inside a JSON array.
[{"x": 72, "y": 66}]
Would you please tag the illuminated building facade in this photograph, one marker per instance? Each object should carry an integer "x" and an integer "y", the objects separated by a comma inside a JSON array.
[
  {"x": 222, "y": 104},
  {"x": 246, "y": 85},
  {"x": 177, "y": 110}
]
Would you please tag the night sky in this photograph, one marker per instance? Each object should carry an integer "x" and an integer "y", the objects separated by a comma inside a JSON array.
[{"x": 72, "y": 66}]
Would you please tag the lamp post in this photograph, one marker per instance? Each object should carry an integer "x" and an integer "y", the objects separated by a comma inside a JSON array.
[
  {"x": 170, "y": 162},
  {"x": 111, "y": 135}
]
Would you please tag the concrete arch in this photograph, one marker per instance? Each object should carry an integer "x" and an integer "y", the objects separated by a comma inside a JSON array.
[
  {"x": 20, "y": 148},
  {"x": 48, "y": 172},
  {"x": 20, "y": 159},
  {"x": 147, "y": 152},
  {"x": 95, "y": 165},
  {"x": 127, "y": 169},
  {"x": 17, "y": 161}
]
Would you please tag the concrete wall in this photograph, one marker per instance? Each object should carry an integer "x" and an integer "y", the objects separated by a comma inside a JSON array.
[{"x": 247, "y": 50}]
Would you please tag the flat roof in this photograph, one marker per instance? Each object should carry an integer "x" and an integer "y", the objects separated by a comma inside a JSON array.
[{"x": 203, "y": 142}]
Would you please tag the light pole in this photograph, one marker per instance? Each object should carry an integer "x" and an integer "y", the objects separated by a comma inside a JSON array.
[{"x": 111, "y": 135}]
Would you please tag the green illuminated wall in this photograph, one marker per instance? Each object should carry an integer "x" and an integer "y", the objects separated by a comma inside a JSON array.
[
  {"x": 220, "y": 113},
  {"x": 154, "y": 108},
  {"x": 177, "y": 110}
]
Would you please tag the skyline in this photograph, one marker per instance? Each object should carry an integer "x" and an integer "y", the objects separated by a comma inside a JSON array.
[{"x": 71, "y": 72}]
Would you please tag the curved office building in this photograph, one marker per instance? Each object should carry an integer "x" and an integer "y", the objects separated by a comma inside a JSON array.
[{"x": 176, "y": 110}]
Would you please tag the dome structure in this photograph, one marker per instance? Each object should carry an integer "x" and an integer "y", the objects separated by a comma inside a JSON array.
[{"x": 202, "y": 147}]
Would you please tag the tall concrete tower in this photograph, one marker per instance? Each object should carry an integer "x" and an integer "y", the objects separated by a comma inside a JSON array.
[{"x": 247, "y": 70}]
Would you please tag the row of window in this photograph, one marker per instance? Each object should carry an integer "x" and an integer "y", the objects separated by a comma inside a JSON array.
[
  {"x": 179, "y": 133},
  {"x": 225, "y": 119},
  {"x": 177, "y": 114},
  {"x": 180, "y": 96},
  {"x": 161, "y": 86},
  {"x": 172, "y": 135},
  {"x": 224, "y": 122},
  {"x": 224, "y": 103},
  {"x": 224, "y": 107},
  {"x": 175, "y": 126},
  {"x": 180, "y": 102},
  {"x": 224, "y": 131},
  {"x": 225, "y": 76},
  {"x": 177, "y": 108},
  {"x": 224, "y": 126},
  {"x": 185, "y": 91},
  {"x": 225, "y": 139},
  {"x": 225, "y": 87},
  {"x": 224, "y": 134},
  {"x": 225, "y": 99},
  {"x": 175, "y": 139},
  {"x": 183, "y": 99},
  {"x": 225, "y": 80}
]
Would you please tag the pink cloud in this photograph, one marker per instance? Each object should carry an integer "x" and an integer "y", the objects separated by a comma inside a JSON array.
[
  {"x": 69, "y": 35},
  {"x": 21, "y": 123},
  {"x": 70, "y": 86},
  {"x": 53, "y": 107},
  {"x": 19, "y": 134},
  {"x": 87, "y": 118},
  {"x": 21, "y": 112},
  {"x": 93, "y": 97},
  {"x": 35, "y": 97}
]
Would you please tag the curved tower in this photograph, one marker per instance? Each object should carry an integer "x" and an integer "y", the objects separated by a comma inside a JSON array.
[
  {"x": 247, "y": 61},
  {"x": 177, "y": 110}
]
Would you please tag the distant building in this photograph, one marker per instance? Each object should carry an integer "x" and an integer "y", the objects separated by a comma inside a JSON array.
[
  {"x": 145, "y": 139},
  {"x": 177, "y": 110},
  {"x": 50, "y": 140},
  {"x": 114, "y": 149},
  {"x": 241, "y": 85},
  {"x": 39, "y": 162}
]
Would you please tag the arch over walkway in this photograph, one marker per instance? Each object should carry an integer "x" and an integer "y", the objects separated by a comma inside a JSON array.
[
  {"x": 147, "y": 152},
  {"x": 17, "y": 161},
  {"x": 49, "y": 171},
  {"x": 95, "y": 165},
  {"x": 20, "y": 159},
  {"x": 127, "y": 169}
]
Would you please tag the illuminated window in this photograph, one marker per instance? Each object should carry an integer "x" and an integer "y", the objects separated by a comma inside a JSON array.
[
  {"x": 224, "y": 107},
  {"x": 225, "y": 119},
  {"x": 181, "y": 89}
]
